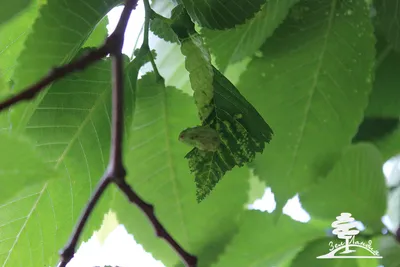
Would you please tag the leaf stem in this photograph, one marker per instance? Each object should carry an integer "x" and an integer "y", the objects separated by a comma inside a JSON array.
[
  {"x": 382, "y": 56},
  {"x": 190, "y": 260},
  {"x": 137, "y": 41},
  {"x": 148, "y": 15}
]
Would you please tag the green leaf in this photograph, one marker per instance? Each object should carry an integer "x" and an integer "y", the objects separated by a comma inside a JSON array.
[
  {"x": 159, "y": 174},
  {"x": 220, "y": 14},
  {"x": 170, "y": 61},
  {"x": 385, "y": 96},
  {"x": 20, "y": 167},
  {"x": 71, "y": 131},
  {"x": 389, "y": 146},
  {"x": 12, "y": 38},
  {"x": 171, "y": 65},
  {"x": 233, "y": 45},
  {"x": 356, "y": 185},
  {"x": 242, "y": 131},
  {"x": 56, "y": 37},
  {"x": 13, "y": 35},
  {"x": 10, "y": 9},
  {"x": 311, "y": 85},
  {"x": 198, "y": 64},
  {"x": 387, "y": 21},
  {"x": 257, "y": 189},
  {"x": 98, "y": 35},
  {"x": 262, "y": 242},
  {"x": 162, "y": 29}
]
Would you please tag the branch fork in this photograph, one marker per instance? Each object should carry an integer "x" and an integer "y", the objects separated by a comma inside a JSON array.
[{"x": 115, "y": 172}]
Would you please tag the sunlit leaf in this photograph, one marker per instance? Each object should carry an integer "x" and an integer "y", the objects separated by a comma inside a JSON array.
[
  {"x": 261, "y": 242},
  {"x": 13, "y": 35},
  {"x": 201, "y": 74},
  {"x": 158, "y": 172},
  {"x": 20, "y": 167},
  {"x": 356, "y": 178},
  {"x": 60, "y": 30},
  {"x": 311, "y": 85},
  {"x": 98, "y": 35},
  {"x": 162, "y": 29},
  {"x": 71, "y": 130},
  {"x": 232, "y": 45}
]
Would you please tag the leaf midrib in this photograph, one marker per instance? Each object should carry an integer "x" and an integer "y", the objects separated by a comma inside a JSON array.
[
  {"x": 81, "y": 127},
  {"x": 313, "y": 90},
  {"x": 171, "y": 168}
]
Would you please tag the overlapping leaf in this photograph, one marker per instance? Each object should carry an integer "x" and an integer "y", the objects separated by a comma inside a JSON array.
[
  {"x": 162, "y": 29},
  {"x": 312, "y": 81},
  {"x": 376, "y": 128},
  {"x": 243, "y": 133},
  {"x": 241, "y": 129},
  {"x": 158, "y": 172},
  {"x": 261, "y": 242},
  {"x": 389, "y": 145},
  {"x": 387, "y": 21},
  {"x": 170, "y": 61},
  {"x": 221, "y": 14},
  {"x": 71, "y": 130},
  {"x": 12, "y": 8},
  {"x": 232, "y": 45},
  {"x": 98, "y": 35},
  {"x": 201, "y": 74},
  {"x": 20, "y": 167},
  {"x": 358, "y": 178},
  {"x": 57, "y": 35},
  {"x": 13, "y": 34},
  {"x": 385, "y": 96}
]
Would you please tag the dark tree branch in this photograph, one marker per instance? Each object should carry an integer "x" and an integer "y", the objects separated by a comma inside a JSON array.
[
  {"x": 68, "y": 252},
  {"x": 56, "y": 74},
  {"x": 115, "y": 172},
  {"x": 113, "y": 43},
  {"x": 190, "y": 260}
]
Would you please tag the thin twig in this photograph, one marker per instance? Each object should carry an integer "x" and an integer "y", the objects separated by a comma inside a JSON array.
[
  {"x": 115, "y": 172},
  {"x": 190, "y": 260},
  {"x": 79, "y": 64},
  {"x": 56, "y": 74},
  {"x": 68, "y": 252}
]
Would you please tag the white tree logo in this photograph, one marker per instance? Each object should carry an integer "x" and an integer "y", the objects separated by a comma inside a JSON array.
[
  {"x": 343, "y": 225},
  {"x": 345, "y": 228}
]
